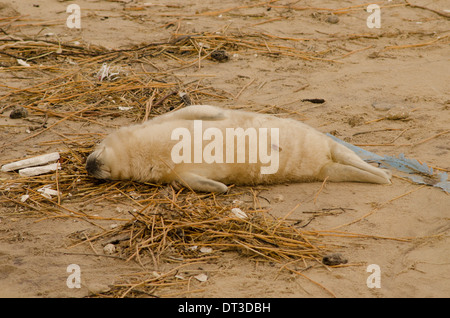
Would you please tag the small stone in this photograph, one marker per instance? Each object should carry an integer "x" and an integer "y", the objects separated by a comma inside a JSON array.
[
  {"x": 109, "y": 249},
  {"x": 334, "y": 259},
  {"x": 333, "y": 19},
  {"x": 19, "y": 112},
  {"x": 220, "y": 55},
  {"x": 206, "y": 250},
  {"x": 239, "y": 213},
  {"x": 398, "y": 113},
  {"x": 201, "y": 277}
]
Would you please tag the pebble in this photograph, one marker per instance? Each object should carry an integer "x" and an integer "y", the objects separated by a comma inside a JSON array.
[
  {"x": 334, "y": 259},
  {"x": 109, "y": 249},
  {"x": 239, "y": 213},
  {"x": 206, "y": 250},
  {"x": 220, "y": 55},
  {"x": 19, "y": 112},
  {"x": 333, "y": 19},
  {"x": 394, "y": 112},
  {"x": 398, "y": 113},
  {"x": 201, "y": 277}
]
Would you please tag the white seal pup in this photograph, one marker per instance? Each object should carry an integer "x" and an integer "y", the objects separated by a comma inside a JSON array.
[{"x": 205, "y": 148}]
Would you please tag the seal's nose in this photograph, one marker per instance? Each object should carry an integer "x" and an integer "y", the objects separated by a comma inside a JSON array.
[{"x": 92, "y": 165}]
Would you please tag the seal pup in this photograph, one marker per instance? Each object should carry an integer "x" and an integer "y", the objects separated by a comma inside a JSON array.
[{"x": 289, "y": 151}]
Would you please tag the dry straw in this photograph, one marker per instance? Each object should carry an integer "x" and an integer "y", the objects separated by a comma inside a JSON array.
[
  {"x": 167, "y": 225},
  {"x": 185, "y": 228}
]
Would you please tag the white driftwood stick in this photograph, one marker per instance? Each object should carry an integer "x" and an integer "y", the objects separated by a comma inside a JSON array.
[
  {"x": 31, "y": 162},
  {"x": 35, "y": 171},
  {"x": 47, "y": 192}
]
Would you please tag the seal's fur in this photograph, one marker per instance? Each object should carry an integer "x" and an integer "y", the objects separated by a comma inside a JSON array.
[{"x": 143, "y": 153}]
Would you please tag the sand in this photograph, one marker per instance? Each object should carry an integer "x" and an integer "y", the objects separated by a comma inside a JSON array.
[{"x": 404, "y": 65}]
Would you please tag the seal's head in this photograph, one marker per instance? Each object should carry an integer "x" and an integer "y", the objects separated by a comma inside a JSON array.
[{"x": 98, "y": 163}]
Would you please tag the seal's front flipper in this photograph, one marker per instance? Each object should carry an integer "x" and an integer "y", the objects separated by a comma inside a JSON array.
[{"x": 198, "y": 183}]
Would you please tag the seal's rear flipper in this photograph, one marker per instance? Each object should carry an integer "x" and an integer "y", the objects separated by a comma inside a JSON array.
[
  {"x": 338, "y": 172},
  {"x": 202, "y": 184},
  {"x": 347, "y": 166}
]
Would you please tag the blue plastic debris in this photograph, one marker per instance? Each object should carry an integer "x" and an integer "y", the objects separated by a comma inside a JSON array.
[{"x": 412, "y": 169}]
